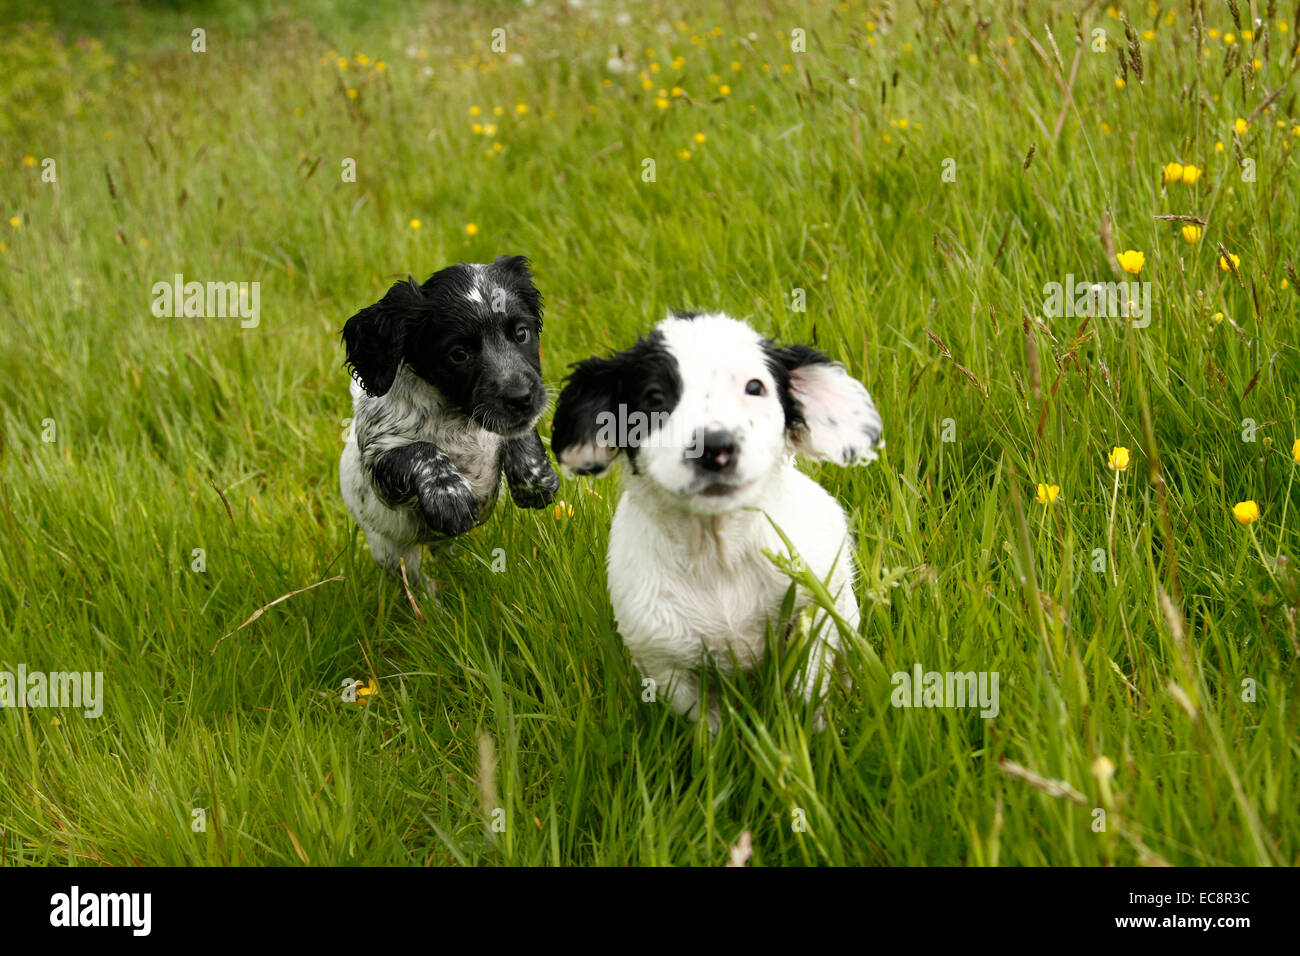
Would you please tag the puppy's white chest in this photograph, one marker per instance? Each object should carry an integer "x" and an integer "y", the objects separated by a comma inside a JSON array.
[
  {"x": 684, "y": 607},
  {"x": 476, "y": 453}
]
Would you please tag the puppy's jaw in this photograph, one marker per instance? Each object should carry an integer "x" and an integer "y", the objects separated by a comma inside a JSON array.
[
  {"x": 491, "y": 417},
  {"x": 695, "y": 502}
]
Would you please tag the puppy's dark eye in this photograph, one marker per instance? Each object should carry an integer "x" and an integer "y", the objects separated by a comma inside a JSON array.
[
  {"x": 458, "y": 354},
  {"x": 654, "y": 399},
  {"x": 755, "y": 387},
  {"x": 522, "y": 334}
]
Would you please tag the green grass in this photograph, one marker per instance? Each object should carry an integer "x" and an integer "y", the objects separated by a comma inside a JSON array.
[{"x": 178, "y": 434}]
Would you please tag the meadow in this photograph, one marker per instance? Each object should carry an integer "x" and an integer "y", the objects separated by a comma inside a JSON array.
[{"x": 1065, "y": 500}]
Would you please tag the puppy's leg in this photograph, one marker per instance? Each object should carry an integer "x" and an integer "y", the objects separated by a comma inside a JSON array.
[
  {"x": 391, "y": 557},
  {"x": 421, "y": 474},
  {"x": 681, "y": 689},
  {"x": 824, "y": 656},
  {"x": 532, "y": 480}
]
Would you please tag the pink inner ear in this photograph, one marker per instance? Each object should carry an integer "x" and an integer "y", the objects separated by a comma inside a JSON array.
[{"x": 842, "y": 424}]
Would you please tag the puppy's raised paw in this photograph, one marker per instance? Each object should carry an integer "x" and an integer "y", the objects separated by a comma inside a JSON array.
[
  {"x": 539, "y": 491},
  {"x": 448, "y": 503}
]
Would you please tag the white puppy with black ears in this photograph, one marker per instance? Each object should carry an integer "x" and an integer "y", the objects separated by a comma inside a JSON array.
[{"x": 710, "y": 416}]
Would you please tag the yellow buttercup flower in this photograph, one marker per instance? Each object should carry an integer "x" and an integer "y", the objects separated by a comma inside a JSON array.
[
  {"x": 1191, "y": 174},
  {"x": 471, "y": 229},
  {"x": 700, "y": 137},
  {"x": 29, "y": 160},
  {"x": 1241, "y": 126},
  {"x": 1246, "y": 512},
  {"x": 1131, "y": 261},
  {"x": 1223, "y": 263},
  {"x": 1047, "y": 493},
  {"x": 1173, "y": 172},
  {"x": 415, "y": 224},
  {"x": 662, "y": 102},
  {"x": 352, "y": 93},
  {"x": 1118, "y": 459},
  {"x": 724, "y": 90},
  {"x": 1216, "y": 318},
  {"x": 683, "y": 154},
  {"x": 521, "y": 108},
  {"x": 1119, "y": 81},
  {"x": 1295, "y": 451},
  {"x": 15, "y": 221},
  {"x": 1192, "y": 233},
  {"x": 475, "y": 111},
  {"x": 366, "y": 691}
]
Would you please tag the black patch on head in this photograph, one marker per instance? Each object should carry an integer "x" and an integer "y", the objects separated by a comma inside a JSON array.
[
  {"x": 462, "y": 343},
  {"x": 687, "y": 315},
  {"x": 513, "y": 273},
  {"x": 781, "y": 361},
  {"x": 627, "y": 378}
]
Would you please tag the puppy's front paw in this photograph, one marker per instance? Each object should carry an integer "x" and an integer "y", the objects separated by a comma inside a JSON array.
[
  {"x": 540, "y": 489},
  {"x": 448, "y": 504}
]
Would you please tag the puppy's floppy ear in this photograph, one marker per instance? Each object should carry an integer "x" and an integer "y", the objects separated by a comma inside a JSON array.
[
  {"x": 576, "y": 432},
  {"x": 829, "y": 415},
  {"x": 375, "y": 337}
]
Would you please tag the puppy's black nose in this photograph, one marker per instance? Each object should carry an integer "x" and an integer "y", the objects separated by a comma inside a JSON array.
[
  {"x": 717, "y": 450},
  {"x": 517, "y": 396}
]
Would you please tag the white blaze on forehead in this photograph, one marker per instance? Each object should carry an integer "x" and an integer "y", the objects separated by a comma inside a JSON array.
[
  {"x": 483, "y": 292},
  {"x": 475, "y": 293}
]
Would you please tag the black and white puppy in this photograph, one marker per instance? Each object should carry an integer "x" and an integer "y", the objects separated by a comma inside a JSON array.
[
  {"x": 710, "y": 416},
  {"x": 446, "y": 393}
]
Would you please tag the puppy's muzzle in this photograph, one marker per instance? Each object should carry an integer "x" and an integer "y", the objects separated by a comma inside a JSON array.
[{"x": 714, "y": 450}]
